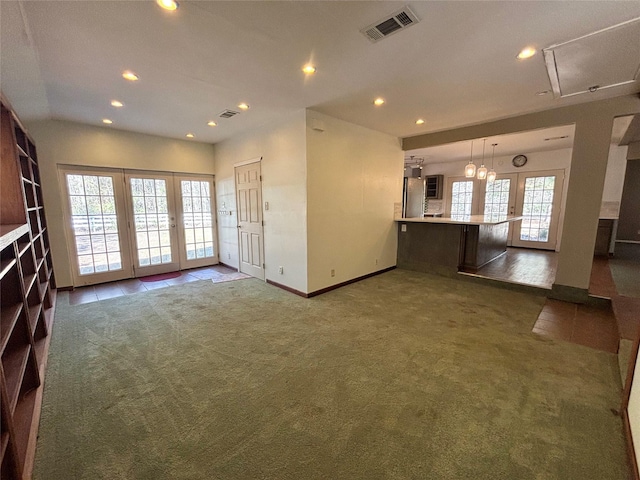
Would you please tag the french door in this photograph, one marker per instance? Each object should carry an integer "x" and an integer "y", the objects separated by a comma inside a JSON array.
[
  {"x": 124, "y": 224},
  {"x": 197, "y": 221},
  {"x": 98, "y": 234},
  {"x": 152, "y": 208},
  {"x": 539, "y": 196}
]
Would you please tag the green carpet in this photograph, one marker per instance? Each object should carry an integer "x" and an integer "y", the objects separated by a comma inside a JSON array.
[{"x": 400, "y": 376}]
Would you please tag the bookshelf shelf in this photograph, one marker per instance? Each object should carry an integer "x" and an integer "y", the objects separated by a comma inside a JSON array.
[{"x": 27, "y": 289}]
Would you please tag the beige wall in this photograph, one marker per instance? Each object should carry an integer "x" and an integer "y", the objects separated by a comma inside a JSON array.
[
  {"x": 614, "y": 178},
  {"x": 283, "y": 151},
  {"x": 594, "y": 123},
  {"x": 69, "y": 143},
  {"x": 354, "y": 177}
]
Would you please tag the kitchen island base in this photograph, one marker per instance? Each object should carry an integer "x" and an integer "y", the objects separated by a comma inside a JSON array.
[{"x": 446, "y": 246}]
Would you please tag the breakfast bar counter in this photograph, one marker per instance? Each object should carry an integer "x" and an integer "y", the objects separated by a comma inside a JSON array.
[{"x": 447, "y": 245}]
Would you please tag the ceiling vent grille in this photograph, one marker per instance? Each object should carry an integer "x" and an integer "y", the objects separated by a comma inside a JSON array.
[
  {"x": 228, "y": 114},
  {"x": 395, "y": 22}
]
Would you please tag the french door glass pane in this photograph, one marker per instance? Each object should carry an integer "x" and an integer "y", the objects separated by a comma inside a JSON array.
[
  {"x": 496, "y": 199},
  {"x": 198, "y": 219},
  {"x": 151, "y": 220},
  {"x": 537, "y": 207},
  {"x": 461, "y": 200},
  {"x": 94, "y": 223}
]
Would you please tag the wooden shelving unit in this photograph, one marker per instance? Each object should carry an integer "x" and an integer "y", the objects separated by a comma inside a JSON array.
[{"x": 27, "y": 296}]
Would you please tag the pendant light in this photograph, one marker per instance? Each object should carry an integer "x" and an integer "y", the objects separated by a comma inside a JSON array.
[
  {"x": 482, "y": 171},
  {"x": 470, "y": 169},
  {"x": 491, "y": 176}
]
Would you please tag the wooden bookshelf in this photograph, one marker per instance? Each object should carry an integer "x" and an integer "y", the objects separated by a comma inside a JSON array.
[{"x": 27, "y": 293}]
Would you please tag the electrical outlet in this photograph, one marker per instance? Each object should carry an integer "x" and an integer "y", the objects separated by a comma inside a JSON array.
[
  {"x": 333, "y": 272},
  {"x": 376, "y": 261},
  {"x": 280, "y": 270},
  {"x": 403, "y": 227},
  {"x": 229, "y": 255},
  {"x": 266, "y": 205}
]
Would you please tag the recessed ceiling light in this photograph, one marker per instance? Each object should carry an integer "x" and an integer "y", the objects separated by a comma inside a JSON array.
[
  {"x": 190, "y": 135},
  {"x": 543, "y": 92},
  {"x": 309, "y": 69},
  {"x": 419, "y": 121},
  {"x": 212, "y": 123},
  {"x": 243, "y": 106},
  {"x": 129, "y": 75},
  {"x": 107, "y": 121},
  {"x": 117, "y": 103},
  {"x": 168, "y": 4},
  {"x": 526, "y": 52},
  {"x": 378, "y": 101}
]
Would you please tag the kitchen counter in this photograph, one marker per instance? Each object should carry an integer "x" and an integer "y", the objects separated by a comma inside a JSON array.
[
  {"x": 446, "y": 245},
  {"x": 464, "y": 220}
]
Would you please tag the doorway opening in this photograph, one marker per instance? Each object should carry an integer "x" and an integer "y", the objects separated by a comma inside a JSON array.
[{"x": 531, "y": 172}]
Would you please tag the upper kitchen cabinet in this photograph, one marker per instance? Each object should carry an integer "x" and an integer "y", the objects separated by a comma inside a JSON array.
[{"x": 433, "y": 187}]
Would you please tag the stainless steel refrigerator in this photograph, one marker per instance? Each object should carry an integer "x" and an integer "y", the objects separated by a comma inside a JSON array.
[{"x": 413, "y": 197}]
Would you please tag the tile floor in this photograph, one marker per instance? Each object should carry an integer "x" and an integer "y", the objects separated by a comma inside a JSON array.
[
  {"x": 590, "y": 326},
  {"x": 93, "y": 293}
]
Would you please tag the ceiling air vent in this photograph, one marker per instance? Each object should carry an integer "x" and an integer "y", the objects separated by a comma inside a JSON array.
[
  {"x": 403, "y": 18},
  {"x": 228, "y": 114}
]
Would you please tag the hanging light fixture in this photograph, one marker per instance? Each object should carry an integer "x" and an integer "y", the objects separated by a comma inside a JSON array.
[
  {"x": 470, "y": 169},
  {"x": 482, "y": 171},
  {"x": 491, "y": 176}
]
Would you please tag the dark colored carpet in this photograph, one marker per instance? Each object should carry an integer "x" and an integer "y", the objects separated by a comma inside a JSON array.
[{"x": 400, "y": 376}]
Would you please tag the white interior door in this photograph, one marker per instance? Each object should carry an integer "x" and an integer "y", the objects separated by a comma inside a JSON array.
[
  {"x": 250, "y": 234},
  {"x": 96, "y": 220},
  {"x": 153, "y": 222},
  {"x": 196, "y": 219},
  {"x": 538, "y": 200}
]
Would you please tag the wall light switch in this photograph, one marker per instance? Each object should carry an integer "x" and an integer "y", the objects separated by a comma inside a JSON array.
[
  {"x": 266, "y": 205},
  {"x": 403, "y": 227}
]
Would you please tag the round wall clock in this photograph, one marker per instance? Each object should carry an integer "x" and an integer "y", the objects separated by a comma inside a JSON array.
[{"x": 519, "y": 160}]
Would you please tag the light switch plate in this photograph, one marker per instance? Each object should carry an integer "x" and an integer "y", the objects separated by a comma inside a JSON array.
[{"x": 403, "y": 227}]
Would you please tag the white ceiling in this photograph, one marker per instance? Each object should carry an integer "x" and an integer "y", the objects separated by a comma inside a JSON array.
[{"x": 456, "y": 67}]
